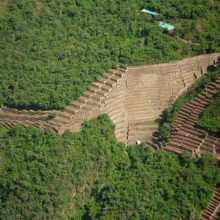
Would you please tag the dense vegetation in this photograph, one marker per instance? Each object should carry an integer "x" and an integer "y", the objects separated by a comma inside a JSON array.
[
  {"x": 88, "y": 175},
  {"x": 171, "y": 113},
  {"x": 210, "y": 118},
  {"x": 50, "y": 51}
]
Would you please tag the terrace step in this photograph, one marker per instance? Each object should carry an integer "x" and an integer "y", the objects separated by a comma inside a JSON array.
[{"x": 185, "y": 136}]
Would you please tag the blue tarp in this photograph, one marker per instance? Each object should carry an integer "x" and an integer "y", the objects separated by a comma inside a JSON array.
[
  {"x": 149, "y": 12},
  {"x": 166, "y": 26}
]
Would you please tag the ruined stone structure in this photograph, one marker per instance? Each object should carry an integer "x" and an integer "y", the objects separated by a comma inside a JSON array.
[{"x": 133, "y": 97}]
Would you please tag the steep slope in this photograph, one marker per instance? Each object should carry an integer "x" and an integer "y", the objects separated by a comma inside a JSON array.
[
  {"x": 211, "y": 212},
  {"x": 185, "y": 136},
  {"x": 152, "y": 88},
  {"x": 133, "y": 97}
]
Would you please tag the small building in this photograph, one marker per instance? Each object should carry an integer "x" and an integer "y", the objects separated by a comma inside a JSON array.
[
  {"x": 166, "y": 26},
  {"x": 150, "y": 12}
]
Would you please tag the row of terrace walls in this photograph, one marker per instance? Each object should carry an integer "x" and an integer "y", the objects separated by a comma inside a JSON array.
[
  {"x": 134, "y": 98},
  {"x": 152, "y": 88},
  {"x": 114, "y": 106},
  {"x": 111, "y": 102}
]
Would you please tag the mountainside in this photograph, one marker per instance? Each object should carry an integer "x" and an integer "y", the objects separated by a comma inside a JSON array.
[
  {"x": 78, "y": 78},
  {"x": 88, "y": 175},
  {"x": 51, "y": 50}
]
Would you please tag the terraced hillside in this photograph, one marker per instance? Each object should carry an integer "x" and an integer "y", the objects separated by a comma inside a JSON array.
[
  {"x": 11, "y": 117},
  {"x": 211, "y": 212},
  {"x": 133, "y": 97},
  {"x": 186, "y": 136},
  {"x": 104, "y": 95},
  {"x": 150, "y": 89}
]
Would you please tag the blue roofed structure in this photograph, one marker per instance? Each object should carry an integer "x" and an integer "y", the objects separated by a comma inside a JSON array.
[
  {"x": 166, "y": 26},
  {"x": 162, "y": 24},
  {"x": 150, "y": 12}
]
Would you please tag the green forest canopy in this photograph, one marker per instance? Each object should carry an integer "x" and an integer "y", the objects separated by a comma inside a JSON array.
[
  {"x": 50, "y": 51},
  {"x": 88, "y": 175},
  {"x": 210, "y": 117}
]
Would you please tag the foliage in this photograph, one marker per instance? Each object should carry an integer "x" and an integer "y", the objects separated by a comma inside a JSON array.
[
  {"x": 52, "y": 50},
  {"x": 165, "y": 130},
  {"x": 46, "y": 176},
  {"x": 88, "y": 175},
  {"x": 157, "y": 185},
  {"x": 171, "y": 113},
  {"x": 210, "y": 117}
]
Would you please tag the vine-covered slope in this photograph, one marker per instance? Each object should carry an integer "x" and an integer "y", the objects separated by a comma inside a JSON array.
[{"x": 50, "y": 51}]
